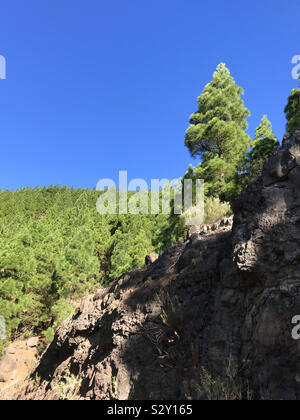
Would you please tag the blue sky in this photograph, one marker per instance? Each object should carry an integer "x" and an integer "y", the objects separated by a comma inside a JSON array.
[{"x": 94, "y": 87}]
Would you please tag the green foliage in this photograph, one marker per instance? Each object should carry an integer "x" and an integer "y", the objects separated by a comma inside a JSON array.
[
  {"x": 215, "y": 210},
  {"x": 49, "y": 334},
  {"x": 131, "y": 242},
  {"x": 217, "y": 135},
  {"x": 264, "y": 144},
  {"x": 55, "y": 247},
  {"x": 68, "y": 387},
  {"x": 292, "y": 110}
]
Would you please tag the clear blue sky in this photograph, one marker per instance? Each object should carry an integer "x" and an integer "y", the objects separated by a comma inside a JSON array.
[{"x": 94, "y": 86}]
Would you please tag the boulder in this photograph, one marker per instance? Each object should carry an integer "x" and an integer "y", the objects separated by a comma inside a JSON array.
[
  {"x": 195, "y": 229},
  {"x": 151, "y": 258},
  {"x": 32, "y": 342}
]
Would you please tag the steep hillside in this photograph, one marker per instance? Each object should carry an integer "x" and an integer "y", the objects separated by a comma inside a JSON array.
[
  {"x": 220, "y": 304},
  {"x": 56, "y": 248}
]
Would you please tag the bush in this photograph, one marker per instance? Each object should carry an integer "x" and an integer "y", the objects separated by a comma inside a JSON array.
[
  {"x": 49, "y": 334},
  {"x": 215, "y": 210},
  {"x": 229, "y": 387},
  {"x": 191, "y": 216}
]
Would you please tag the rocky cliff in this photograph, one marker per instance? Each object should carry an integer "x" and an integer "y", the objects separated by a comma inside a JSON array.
[{"x": 219, "y": 299}]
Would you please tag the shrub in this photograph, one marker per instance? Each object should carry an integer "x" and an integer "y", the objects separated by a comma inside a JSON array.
[
  {"x": 215, "y": 210},
  {"x": 49, "y": 334},
  {"x": 69, "y": 386},
  {"x": 191, "y": 214},
  {"x": 229, "y": 387}
]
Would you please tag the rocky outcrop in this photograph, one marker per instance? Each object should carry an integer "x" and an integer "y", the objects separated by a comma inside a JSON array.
[
  {"x": 226, "y": 296},
  {"x": 266, "y": 251},
  {"x": 195, "y": 232}
]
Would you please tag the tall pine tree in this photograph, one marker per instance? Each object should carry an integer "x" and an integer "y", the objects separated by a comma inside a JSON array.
[
  {"x": 264, "y": 143},
  {"x": 217, "y": 134}
]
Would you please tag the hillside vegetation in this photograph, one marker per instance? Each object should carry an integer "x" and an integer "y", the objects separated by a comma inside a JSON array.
[{"x": 55, "y": 247}]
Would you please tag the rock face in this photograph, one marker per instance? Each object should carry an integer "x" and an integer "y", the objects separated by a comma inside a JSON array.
[
  {"x": 266, "y": 250},
  {"x": 227, "y": 295}
]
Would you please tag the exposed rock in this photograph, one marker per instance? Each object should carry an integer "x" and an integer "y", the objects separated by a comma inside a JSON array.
[
  {"x": 151, "y": 258},
  {"x": 11, "y": 350},
  {"x": 13, "y": 370},
  {"x": 227, "y": 294},
  {"x": 204, "y": 230},
  {"x": 192, "y": 230},
  {"x": 266, "y": 250},
  {"x": 195, "y": 237},
  {"x": 13, "y": 375},
  {"x": 7, "y": 367},
  {"x": 33, "y": 342},
  {"x": 222, "y": 225}
]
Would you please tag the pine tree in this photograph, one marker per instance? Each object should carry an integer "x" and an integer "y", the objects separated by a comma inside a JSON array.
[
  {"x": 132, "y": 241},
  {"x": 217, "y": 135},
  {"x": 264, "y": 143},
  {"x": 55, "y": 247},
  {"x": 292, "y": 110}
]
